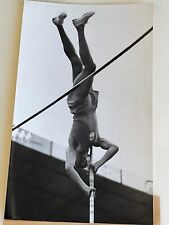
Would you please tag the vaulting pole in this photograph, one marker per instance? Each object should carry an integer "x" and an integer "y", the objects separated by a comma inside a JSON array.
[{"x": 91, "y": 184}]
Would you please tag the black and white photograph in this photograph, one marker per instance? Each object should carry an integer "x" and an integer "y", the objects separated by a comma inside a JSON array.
[{"x": 81, "y": 148}]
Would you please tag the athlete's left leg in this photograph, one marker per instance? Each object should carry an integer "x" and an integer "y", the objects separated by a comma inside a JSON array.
[{"x": 68, "y": 46}]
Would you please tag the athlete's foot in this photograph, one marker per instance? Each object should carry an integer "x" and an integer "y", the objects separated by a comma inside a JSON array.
[
  {"x": 59, "y": 19},
  {"x": 83, "y": 19}
]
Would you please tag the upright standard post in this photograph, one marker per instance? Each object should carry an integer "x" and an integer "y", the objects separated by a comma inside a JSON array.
[{"x": 92, "y": 195}]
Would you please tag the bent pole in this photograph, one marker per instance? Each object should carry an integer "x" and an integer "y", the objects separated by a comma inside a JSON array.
[
  {"x": 91, "y": 75},
  {"x": 91, "y": 184}
]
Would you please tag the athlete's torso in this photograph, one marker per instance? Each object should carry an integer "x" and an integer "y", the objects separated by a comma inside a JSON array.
[{"x": 84, "y": 120}]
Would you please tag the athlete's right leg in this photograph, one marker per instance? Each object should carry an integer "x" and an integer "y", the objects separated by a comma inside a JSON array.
[
  {"x": 89, "y": 65},
  {"x": 68, "y": 47}
]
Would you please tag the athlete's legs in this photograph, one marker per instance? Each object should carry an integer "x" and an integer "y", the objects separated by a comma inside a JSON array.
[
  {"x": 89, "y": 65},
  {"x": 68, "y": 46}
]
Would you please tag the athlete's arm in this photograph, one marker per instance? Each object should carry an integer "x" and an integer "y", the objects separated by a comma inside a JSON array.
[
  {"x": 111, "y": 151},
  {"x": 69, "y": 166}
]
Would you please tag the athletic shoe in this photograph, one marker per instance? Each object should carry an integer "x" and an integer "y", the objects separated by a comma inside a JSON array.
[
  {"x": 83, "y": 19},
  {"x": 60, "y": 19}
]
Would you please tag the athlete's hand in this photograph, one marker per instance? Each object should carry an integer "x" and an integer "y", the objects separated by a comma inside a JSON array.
[
  {"x": 90, "y": 190},
  {"x": 94, "y": 167},
  {"x": 92, "y": 137}
]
